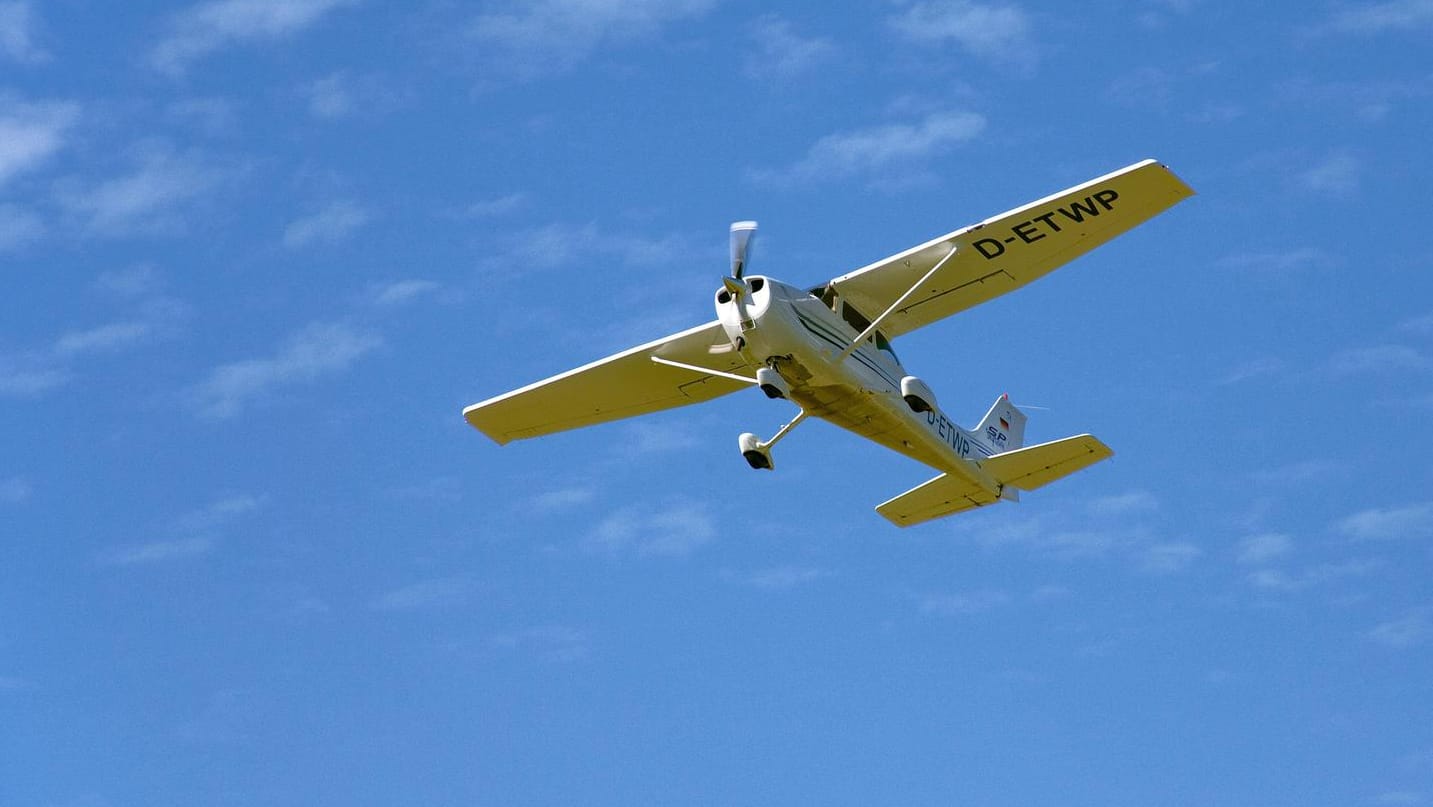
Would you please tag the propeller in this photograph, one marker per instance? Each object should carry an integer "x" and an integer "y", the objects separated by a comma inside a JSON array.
[{"x": 741, "y": 235}]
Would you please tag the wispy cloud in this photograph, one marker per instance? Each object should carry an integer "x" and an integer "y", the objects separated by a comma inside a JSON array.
[
  {"x": 778, "y": 53},
  {"x": 322, "y": 348},
  {"x": 1262, "y": 548},
  {"x": 1121, "y": 504},
  {"x": 1379, "y": 359},
  {"x": 1414, "y": 627},
  {"x": 38, "y": 370},
  {"x": 674, "y": 530},
  {"x": 399, "y": 292},
  {"x": 963, "y": 603},
  {"x": 18, "y": 31},
  {"x": 153, "y": 197},
  {"x": 562, "y": 499},
  {"x": 342, "y": 95},
  {"x": 1377, "y": 18},
  {"x": 558, "y": 643},
  {"x": 1168, "y": 557},
  {"x": 31, "y": 133},
  {"x": 1337, "y": 173},
  {"x": 18, "y": 227},
  {"x": 1293, "y": 261},
  {"x": 889, "y": 154},
  {"x": 14, "y": 489},
  {"x": 778, "y": 577},
  {"x": 498, "y": 206},
  {"x": 554, "y": 245},
  {"x": 424, "y": 595},
  {"x": 1254, "y": 368},
  {"x": 190, "y": 535},
  {"x": 525, "y": 40},
  {"x": 334, "y": 223},
  {"x": 997, "y": 32},
  {"x": 1289, "y": 581},
  {"x": 207, "y": 27},
  {"x": 1389, "y": 523}
]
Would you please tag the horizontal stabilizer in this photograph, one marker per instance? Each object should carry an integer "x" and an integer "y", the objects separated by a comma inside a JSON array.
[
  {"x": 1036, "y": 466},
  {"x": 941, "y": 496}
]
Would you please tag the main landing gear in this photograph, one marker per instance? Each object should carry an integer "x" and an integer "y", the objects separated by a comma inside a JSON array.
[{"x": 757, "y": 453}]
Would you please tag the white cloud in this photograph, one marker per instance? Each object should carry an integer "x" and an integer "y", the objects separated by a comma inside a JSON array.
[
  {"x": 30, "y": 134},
  {"x": 18, "y": 26},
  {"x": 997, "y": 32},
  {"x": 1389, "y": 523},
  {"x": 530, "y": 38},
  {"x": 322, "y": 348},
  {"x": 677, "y": 529},
  {"x": 1257, "y": 549},
  {"x": 884, "y": 155},
  {"x": 151, "y": 198},
  {"x": 334, "y": 223},
  {"x": 1413, "y": 628},
  {"x": 207, "y": 27},
  {"x": 778, "y": 53},
  {"x": 1377, "y": 18}
]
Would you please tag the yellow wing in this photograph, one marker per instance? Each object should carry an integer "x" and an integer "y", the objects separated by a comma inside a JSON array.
[
  {"x": 1004, "y": 253},
  {"x": 619, "y": 386}
]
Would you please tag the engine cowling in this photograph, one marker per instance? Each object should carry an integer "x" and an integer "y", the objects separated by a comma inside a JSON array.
[{"x": 918, "y": 394}]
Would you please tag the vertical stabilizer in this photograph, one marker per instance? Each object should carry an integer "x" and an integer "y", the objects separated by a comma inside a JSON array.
[{"x": 1003, "y": 428}]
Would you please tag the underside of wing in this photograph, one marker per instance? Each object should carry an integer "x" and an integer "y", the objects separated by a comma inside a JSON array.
[
  {"x": 619, "y": 386},
  {"x": 1003, "y": 253}
]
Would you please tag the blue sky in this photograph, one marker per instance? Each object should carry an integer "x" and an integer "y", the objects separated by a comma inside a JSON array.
[{"x": 257, "y": 255}]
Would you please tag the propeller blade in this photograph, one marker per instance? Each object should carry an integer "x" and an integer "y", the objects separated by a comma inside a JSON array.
[{"x": 741, "y": 233}]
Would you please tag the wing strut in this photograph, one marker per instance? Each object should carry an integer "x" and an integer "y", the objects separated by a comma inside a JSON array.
[
  {"x": 876, "y": 323},
  {"x": 704, "y": 370}
]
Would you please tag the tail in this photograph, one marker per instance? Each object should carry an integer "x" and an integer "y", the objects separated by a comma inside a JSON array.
[{"x": 1003, "y": 427}]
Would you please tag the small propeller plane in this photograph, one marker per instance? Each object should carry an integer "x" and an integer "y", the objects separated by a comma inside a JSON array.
[{"x": 827, "y": 349}]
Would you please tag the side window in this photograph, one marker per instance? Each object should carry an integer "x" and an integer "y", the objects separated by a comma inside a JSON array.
[
  {"x": 828, "y": 296},
  {"x": 855, "y": 318},
  {"x": 884, "y": 345}
]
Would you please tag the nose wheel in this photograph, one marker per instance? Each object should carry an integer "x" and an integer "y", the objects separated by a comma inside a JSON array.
[{"x": 757, "y": 452}]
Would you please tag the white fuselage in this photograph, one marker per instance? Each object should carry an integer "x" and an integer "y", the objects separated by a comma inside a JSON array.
[{"x": 802, "y": 337}]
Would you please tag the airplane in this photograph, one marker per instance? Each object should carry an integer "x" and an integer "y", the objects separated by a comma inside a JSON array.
[{"x": 827, "y": 349}]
